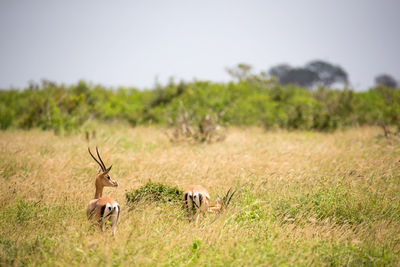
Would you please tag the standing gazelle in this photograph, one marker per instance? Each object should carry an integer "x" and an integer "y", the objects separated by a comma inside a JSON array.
[
  {"x": 197, "y": 201},
  {"x": 103, "y": 209}
]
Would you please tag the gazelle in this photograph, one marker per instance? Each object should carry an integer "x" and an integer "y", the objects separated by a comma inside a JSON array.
[
  {"x": 197, "y": 201},
  {"x": 103, "y": 209}
]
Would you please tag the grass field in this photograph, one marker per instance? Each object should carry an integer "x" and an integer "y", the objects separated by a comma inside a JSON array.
[{"x": 304, "y": 198}]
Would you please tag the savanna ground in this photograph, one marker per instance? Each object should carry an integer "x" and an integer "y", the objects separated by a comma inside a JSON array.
[{"x": 304, "y": 198}]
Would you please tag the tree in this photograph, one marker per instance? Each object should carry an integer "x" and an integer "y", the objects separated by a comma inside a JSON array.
[
  {"x": 240, "y": 72},
  {"x": 386, "y": 80},
  {"x": 313, "y": 73},
  {"x": 300, "y": 76},
  {"x": 328, "y": 74},
  {"x": 279, "y": 71}
]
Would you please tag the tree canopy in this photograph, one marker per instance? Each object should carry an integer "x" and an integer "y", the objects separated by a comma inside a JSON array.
[
  {"x": 313, "y": 73},
  {"x": 386, "y": 80}
]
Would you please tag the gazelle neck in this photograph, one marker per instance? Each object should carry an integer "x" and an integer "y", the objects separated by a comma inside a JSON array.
[
  {"x": 99, "y": 190},
  {"x": 214, "y": 208}
]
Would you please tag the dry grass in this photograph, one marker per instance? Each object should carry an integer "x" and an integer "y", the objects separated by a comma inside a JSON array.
[{"x": 305, "y": 199}]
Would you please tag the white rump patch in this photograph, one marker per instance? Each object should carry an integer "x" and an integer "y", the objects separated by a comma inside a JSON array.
[
  {"x": 108, "y": 209},
  {"x": 115, "y": 207}
]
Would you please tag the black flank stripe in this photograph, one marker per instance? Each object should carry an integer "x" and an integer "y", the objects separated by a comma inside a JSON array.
[
  {"x": 200, "y": 199},
  {"x": 193, "y": 204},
  {"x": 102, "y": 210}
]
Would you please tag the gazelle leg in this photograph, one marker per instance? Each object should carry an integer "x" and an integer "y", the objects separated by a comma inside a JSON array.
[
  {"x": 190, "y": 210},
  {"x": 103, "y": 224},
  {"x": 114, "y": 229},
  {"x": 114, "y": 221},
  {"x": 199, "y": 214}
]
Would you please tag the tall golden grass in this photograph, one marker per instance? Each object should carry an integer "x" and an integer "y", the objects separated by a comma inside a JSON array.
[{"x": 304, "y": 198}]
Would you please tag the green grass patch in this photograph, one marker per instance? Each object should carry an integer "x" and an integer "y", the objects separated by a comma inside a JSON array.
[
  {"x": 254, "y": 210},
  {"x": 339, "y": 203},
  {"x": 337, "y": 254},
  {"x": 24, "y": 215},
  {"x": 26, "y": 252}
]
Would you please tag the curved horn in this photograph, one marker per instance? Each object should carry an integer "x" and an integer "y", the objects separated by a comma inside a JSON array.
[
  {"x": 231, "y": 197},
  {"x": 227, "y": 195},
  {"x": 227, "y": 198},
  {"x": 98, "y": 154},
  {"x": 95, "y": 159}
]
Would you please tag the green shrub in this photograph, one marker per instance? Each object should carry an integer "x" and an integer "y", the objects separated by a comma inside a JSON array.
[
  {"x": 154, "y": 192},
  {"x": 6, "y": 116},
  {"x": 246, "y": 102}
]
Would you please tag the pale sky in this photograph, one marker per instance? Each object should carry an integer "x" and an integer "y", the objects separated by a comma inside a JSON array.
[{"x": 130, "y": 43}]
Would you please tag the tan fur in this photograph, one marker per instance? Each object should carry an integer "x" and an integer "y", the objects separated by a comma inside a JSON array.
[
  {"x": 94, "y": 208},
  {"x": 199, "y": 210}
]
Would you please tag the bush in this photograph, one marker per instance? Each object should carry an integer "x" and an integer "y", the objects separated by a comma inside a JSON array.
[
  {"x": 194, "y": 128},
  {"x": 154, "y": 192},
  {"x": 6, "y": 117},
  {"x": 207, "y": 106}
]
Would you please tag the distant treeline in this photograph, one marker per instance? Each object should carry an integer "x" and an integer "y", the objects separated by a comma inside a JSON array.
[{"x": 251, "y": 101}]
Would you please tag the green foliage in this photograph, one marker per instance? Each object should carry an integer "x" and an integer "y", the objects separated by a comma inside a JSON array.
[
  {"x": 7, "y": 108},
  {"x": 6, "y": 116},
  {"x": 195, "y": 128},
  {"x": 196, "y": 244},
  {"x": 154, "y": 192},
  {"x": 251, "y": 101},
  {"x": 52, "y": 108},
  {"x": 254, "y": 210},
  {"x": 195, "y": 249}
]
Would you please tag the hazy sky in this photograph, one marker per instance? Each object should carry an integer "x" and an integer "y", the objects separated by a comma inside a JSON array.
[{"x": 130, "y": 43}]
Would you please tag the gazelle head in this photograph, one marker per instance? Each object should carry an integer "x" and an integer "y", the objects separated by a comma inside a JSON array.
[
  {"x": 222, "y": 204},
  {"x": 103, "y": 177}
]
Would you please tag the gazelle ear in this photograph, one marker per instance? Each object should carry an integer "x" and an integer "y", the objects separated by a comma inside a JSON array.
[
  {"x": 218, "y": 200},
  {"x": 107, "y": 170}
]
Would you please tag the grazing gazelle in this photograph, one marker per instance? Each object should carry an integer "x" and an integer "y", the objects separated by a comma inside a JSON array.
[
  {"x": 103, "y": 209},
  {"x": 197, "y": 201}
]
